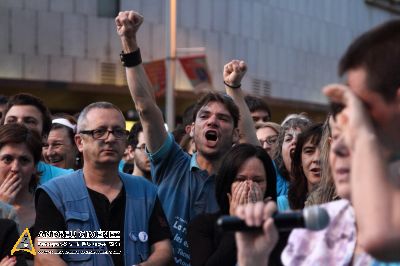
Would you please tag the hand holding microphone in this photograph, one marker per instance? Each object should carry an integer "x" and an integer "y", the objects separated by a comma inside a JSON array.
[
  {"x": 255, "y": 248},
  {"x": 312, "y": 218},
  {"x": 252, "y": 248}
]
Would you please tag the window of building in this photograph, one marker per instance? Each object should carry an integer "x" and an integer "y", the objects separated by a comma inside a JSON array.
[{"x": 108, "y": 8}]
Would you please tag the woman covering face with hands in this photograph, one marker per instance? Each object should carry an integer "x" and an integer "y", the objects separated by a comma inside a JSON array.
[
  {"x": 245, "y": 175},
  {"x": 20, "y": 150}
]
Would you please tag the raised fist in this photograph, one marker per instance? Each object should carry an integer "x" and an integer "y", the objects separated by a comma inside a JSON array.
[
  {"x": 128, "y": 23},
  {"x": 234, "y": 72}
]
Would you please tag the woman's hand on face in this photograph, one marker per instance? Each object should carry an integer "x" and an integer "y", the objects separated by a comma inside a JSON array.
[
  {"x": 10, "y": 188},
  {"x": 239, "y": 195},
  {"x": 255, "y": 193}
]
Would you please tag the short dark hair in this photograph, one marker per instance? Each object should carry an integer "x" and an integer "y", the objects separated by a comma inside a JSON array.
[
  {"x": 231, "y": 163},
  {"x": 223, "y": 98},
  {"x": 29, "y": 99},
  {"x": 257, "y": 103},
  {"x": 187, "y": 116},
  {"x": 17, "y": 133},
  {"x": 133, "y": 137},
  {"x": 187, "y": 119},
  {"x": 179, "y": 132},
  {"x": 297, "y": 193},
  {"x": 3, "y": 99},
  {"x": 377, "y": 51}
]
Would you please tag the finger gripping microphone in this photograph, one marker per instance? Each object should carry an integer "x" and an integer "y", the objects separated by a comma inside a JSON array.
[{"x": 311, "y": 218}]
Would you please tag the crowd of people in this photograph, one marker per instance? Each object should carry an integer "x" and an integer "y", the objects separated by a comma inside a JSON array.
[{"x": 164, "y": 191}]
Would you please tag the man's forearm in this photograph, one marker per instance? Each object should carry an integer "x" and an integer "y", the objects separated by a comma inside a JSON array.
[
  {"x": 161, "y": 254},
  {"x": 234, "y": 71},
  {"x": 140, "y": 88},
  {"x": 47, "y": 259},
  {"x": 246, "y": 124},
  {"x": 145, "y": 104}
]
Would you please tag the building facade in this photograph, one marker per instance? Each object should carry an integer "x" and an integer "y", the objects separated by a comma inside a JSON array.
[{"x": 61, "y": 48}]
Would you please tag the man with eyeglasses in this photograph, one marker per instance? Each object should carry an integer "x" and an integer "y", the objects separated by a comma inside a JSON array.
[{"x": 98, "y": 197}]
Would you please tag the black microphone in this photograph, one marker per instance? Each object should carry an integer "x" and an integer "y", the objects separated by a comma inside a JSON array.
[{"x": 312, "y": 218}]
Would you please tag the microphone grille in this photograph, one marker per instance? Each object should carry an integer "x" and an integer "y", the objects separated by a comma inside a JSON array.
[{"x": 315, "y": 218}]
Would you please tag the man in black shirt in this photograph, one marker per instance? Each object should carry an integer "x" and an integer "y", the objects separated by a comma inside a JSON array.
[{"x": 102, "y": 138}]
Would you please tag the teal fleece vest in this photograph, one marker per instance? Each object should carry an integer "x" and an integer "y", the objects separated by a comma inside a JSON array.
[{"x": 71, "y": 197}]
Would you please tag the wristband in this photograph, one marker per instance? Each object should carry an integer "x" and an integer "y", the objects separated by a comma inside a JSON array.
[
  {"x": 233, "y": 87},
  {"x": 131, "y": 59}
]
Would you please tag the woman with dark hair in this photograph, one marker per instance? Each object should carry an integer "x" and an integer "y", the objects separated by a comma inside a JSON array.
[
  {"x": 60, "y": 149},
  {"x": 325, "y": 191},
  {"x": 20, "y": 151},
  {"x": 306, "y": 168},
  {"x": 245, "y": 175}
]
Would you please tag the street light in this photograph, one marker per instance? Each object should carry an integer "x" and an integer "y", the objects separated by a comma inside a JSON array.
[{"x": 170, "y": 62}]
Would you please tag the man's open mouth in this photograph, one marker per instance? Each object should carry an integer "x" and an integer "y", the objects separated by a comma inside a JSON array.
[{"x": 211, "y": 135}]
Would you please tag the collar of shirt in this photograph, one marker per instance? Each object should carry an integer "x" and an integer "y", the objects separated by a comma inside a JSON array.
[{"x": 193, "y": 162}]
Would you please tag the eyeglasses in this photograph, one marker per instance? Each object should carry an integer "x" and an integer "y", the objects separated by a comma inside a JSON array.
[
  {"x": 103, "y": 133},
  {"x": 269, "y": 140},
  {"x": 141, "y": 147}
]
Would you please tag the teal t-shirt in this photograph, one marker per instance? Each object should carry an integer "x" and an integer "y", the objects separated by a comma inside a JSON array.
[
  {"x": 283, "y": 203},
  {"x": 48, "y": 171},
  {"x": 184, "y": 190}
]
